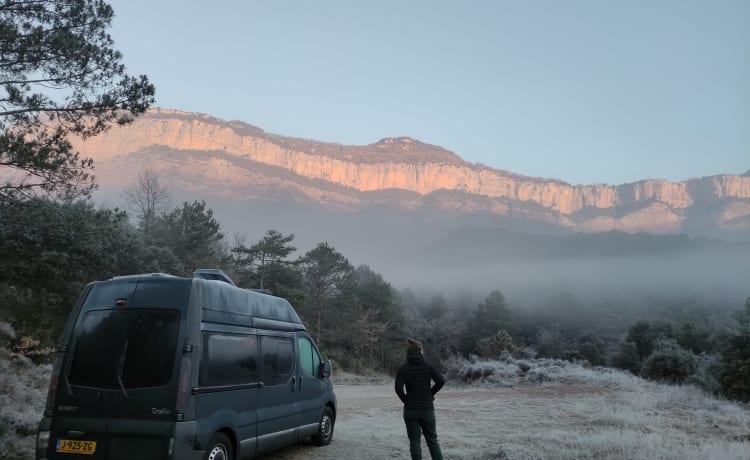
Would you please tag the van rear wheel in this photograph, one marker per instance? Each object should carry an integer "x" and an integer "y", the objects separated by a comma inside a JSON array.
[
  {"x": 325, "y": 428},
  {"x": 219, "y": 448}
]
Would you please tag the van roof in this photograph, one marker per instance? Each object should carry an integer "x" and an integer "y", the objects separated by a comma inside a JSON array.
[{"x": 225, "y": 303}]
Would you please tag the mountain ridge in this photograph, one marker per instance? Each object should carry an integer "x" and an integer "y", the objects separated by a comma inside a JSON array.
[{"x": 414, "y": 172}]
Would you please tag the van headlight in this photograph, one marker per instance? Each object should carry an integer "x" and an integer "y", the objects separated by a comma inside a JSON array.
[{"x": 42, "y": 440}]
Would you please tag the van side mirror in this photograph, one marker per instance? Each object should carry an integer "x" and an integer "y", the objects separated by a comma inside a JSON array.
[{"x": 327, "y": 368}]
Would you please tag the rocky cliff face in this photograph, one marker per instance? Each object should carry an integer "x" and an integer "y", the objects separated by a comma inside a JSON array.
[{"x": 215, "y": 151}]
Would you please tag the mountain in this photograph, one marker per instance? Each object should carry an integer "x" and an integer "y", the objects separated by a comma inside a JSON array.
[
  {"x": 234, "y": 160},
  {"x": 421, "y": 214}
]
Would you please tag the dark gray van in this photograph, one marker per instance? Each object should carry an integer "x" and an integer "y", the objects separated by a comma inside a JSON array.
[{"x": 161, "y": 367}]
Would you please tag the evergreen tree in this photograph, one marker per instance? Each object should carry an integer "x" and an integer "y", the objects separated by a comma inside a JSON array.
[
  {"x": 192, "y": 233},
  {"x": 51, "y": 250},
  {"x": 491, "y": 316},
  {"x": 59, "y": 75},
  {"x": 265, "y": 262},
  {"x": 326, "y": 274}
]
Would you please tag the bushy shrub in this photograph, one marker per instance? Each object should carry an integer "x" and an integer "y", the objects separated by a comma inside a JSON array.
[
  {"x": 668, "y": 363},
  {"x": 493, "y": 346},
  {"x": 591, "y": 348},
  {"x": 504, "y": 372}
]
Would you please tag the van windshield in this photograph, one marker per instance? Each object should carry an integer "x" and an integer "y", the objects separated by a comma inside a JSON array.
[{"x": 136, "y": 345}]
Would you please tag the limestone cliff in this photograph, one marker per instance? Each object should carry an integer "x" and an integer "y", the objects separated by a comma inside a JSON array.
[{"x": 412, "y": 166}]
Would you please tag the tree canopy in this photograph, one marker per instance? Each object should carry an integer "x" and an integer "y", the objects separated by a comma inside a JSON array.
[
  {"x": 59, "y": 75},
  {"x": 326, "y": 272},
  {"x": 266, "y": 259}
]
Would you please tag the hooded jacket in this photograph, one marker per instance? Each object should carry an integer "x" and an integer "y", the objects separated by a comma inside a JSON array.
[{"x": 415, "y": 374}]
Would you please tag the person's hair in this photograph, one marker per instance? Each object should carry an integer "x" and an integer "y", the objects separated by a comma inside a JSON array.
[{"x": 413, "y": 346}]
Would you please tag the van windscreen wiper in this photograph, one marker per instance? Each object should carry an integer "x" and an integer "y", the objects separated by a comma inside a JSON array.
[{"x": 120, "y": 366}]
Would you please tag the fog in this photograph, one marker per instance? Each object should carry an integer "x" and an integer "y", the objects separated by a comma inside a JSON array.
[{"x": 448, "y": 254}]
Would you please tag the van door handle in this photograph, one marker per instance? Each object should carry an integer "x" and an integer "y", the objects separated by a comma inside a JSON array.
[
  {"x": 294, "y": 382},
  {"x": 300, "y": 383}
]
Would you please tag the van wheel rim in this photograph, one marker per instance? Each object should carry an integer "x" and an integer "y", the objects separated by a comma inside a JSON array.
[
  {"x": 219, "y": 452},
  {"x": 326, "y": 427}
]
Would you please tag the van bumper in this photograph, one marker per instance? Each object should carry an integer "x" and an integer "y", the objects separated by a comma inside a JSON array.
[{"x": 183, "y": 441}]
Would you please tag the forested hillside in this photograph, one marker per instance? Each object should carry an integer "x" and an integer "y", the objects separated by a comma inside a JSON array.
[{"x": 53, "y": 248}]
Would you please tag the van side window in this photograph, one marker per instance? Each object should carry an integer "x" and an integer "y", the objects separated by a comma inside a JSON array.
[
  {"x": 308, "y": 357},
  {"x": 229, "y": 359},
  {"x": 278, "y": 359}
]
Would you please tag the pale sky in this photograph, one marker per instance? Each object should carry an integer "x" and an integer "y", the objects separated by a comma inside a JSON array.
[{"x": 587, "y": 91}]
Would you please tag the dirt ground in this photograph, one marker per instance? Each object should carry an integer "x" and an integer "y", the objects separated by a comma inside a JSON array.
[
  {"x": 470, "y": 421},
  {"x": 550, "y": 421}
]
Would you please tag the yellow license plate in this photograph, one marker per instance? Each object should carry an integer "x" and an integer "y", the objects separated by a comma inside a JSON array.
[{"x": 71, "y": 446}]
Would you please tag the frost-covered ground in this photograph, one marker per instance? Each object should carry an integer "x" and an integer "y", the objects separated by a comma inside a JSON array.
[
  {"x": 512, "y": 410},
  {"x": 554, "y": 411}
]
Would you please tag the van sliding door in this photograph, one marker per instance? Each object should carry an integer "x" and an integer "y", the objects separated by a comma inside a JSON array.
[{"x": 278, "y": 408}]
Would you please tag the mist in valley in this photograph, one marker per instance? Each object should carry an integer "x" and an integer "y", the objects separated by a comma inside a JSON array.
[{"x": 549, "y": 277}]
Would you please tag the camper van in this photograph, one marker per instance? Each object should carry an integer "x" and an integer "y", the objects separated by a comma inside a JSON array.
[{"x": 156, "y": 366}]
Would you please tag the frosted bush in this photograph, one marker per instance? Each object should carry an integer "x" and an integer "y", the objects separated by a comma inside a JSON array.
[
  {"x": 7, "y": 331},
  {"x": 23, "y": 390},
  {"x": 463, "y": 371},
  {"x": 669, "y": 363},
  {"x": 510, "y": 371}
]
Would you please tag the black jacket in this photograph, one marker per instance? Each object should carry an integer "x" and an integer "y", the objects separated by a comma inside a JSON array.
[{"x": 416, "y": 375}]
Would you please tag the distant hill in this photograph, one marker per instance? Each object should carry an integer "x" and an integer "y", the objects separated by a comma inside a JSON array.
[
  {"x": 422, "y": 215},
  {"x": 237, "y": 161}
]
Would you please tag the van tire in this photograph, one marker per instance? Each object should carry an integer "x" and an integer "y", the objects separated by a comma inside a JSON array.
[
  {"x": 325, "y": 428},
  {"x": 219, "y": 448}
]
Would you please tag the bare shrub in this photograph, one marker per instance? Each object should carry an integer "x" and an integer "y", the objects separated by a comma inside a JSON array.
[{"x": 30, "y": 347}]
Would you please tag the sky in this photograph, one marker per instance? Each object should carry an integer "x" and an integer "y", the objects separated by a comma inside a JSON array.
[{"x": 586, "y": 91}]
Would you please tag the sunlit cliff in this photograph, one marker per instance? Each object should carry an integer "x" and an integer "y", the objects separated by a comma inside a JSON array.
[{"x": 216, "y": 150}]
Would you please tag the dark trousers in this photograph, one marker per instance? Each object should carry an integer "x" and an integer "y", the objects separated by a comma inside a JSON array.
[{"x": 418, "y": 422}]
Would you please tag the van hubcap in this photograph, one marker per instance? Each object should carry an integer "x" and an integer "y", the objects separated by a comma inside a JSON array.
[
  {"x": 326, "y": 427},
  {"x": 218, "y": 453}
]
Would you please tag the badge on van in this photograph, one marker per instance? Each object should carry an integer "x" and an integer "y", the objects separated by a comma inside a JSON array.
[{"x": 156, "y": 411}]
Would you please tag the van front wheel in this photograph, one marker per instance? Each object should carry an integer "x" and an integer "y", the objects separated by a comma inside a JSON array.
[
  {"x": 219, "y": 448},
  {"x": 325, "y": 429}
]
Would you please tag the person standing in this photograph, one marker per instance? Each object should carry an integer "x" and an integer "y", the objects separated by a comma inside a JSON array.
[{"x": 417, "y": 376}]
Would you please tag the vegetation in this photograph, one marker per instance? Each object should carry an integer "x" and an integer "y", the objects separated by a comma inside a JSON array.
[
  {"x": 52, "y": 248},
  {"x": 59, "y": 75}
]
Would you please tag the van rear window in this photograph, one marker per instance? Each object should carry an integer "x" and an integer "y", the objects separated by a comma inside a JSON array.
[{"x": 136, "y": 345}]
